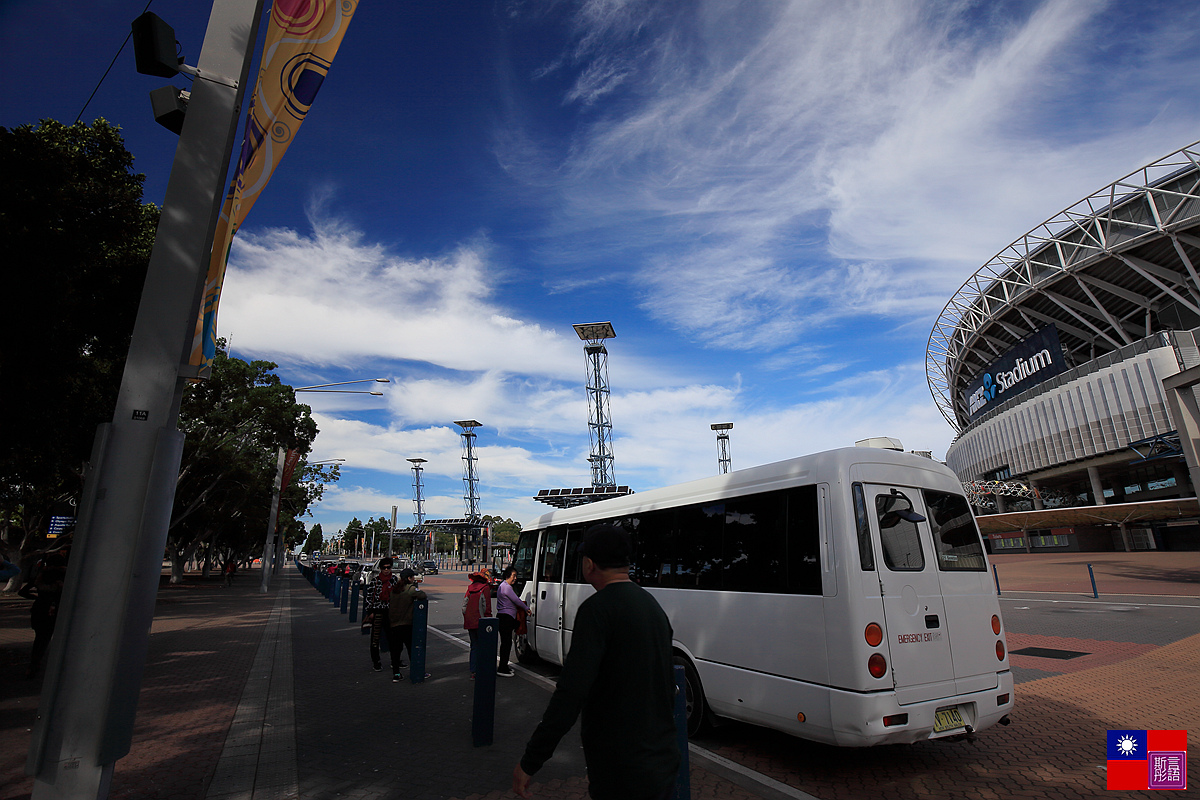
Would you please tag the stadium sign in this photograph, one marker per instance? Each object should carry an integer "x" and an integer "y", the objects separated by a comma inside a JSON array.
[{"x": 1034, "y": 360}]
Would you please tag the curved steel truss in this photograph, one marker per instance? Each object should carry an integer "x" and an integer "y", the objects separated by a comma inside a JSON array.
[{"x": 1107, "y": 271}]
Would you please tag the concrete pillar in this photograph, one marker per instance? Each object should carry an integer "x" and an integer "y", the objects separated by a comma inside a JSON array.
[
  {"x": 1097, "y": 488},
  {"x": 1038, "y": 505},
  {"x": 1001, "y": 504}
]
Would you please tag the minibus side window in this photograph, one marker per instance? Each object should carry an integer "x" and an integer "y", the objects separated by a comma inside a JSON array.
[
  {"x": 898, "y": 532},
  {"x": 754, "y": 550},
  {"x": 866, "y": 554},
  {"x": 523, "y": 561},
  {"x": 553, "y": 555},
  {"x": 694, "y": 562},
  {"x": 803, "y": 541},
  {"x": 954, "y": 534},
  {"x": 651, "y": 533},
  {"x": 574, "y": 559}
]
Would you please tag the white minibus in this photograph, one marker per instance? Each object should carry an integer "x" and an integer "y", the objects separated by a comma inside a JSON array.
[{"x": 842, "y": 597}]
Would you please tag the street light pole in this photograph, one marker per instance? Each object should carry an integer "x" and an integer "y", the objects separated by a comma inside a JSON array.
[{"x": 98, "y": 655}]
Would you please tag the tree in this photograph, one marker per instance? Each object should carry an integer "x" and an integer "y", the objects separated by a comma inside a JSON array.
[
  {"x": 77, "y": 239},
  {"x": 235, "y": 423},
  {"x": 504, "y": 530},
  {"x": 315, "y": 539}
]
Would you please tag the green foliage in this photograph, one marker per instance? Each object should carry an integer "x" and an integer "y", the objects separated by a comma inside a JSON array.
[
  {"x": 235, "y": 424},
  {"x": 503, "y": 530},
  {"x": 77, "y": 238},
  {"x": 315, "y": 540}
]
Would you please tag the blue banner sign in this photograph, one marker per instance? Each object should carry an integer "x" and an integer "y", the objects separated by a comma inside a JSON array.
[{"x": 1034, "y": 360}]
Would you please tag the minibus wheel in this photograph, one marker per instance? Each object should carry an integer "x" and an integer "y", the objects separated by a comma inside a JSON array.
[
  {"x": 525, "y": 653},
  {"x": 693, "y": 698}
]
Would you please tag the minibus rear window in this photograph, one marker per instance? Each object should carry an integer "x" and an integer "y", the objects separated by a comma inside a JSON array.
[
  {"x": 898, "y": 533},
  {"x": 866, "y": 555},
  {"x": 954, "y": 534}
]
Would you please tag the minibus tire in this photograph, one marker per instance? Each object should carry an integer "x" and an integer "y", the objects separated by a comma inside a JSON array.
[
  {"x": 525, "y": 653},
  {"x": 696, "y": 707}
]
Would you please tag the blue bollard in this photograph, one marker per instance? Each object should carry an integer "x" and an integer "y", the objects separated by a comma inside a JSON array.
[
  {"x": 416, "y": 667},
  {"x": 483, "y": 716},
  {"x": 354, "y": 604},
  {"x": 345, "y": 594},
  {"x": 1093, "y": 577},
  {"x": 683, "y": 779},
  {"x": 996, "y": 575}
]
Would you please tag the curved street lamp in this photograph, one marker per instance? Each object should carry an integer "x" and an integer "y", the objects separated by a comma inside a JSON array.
[{"x": 320, "y": 387}]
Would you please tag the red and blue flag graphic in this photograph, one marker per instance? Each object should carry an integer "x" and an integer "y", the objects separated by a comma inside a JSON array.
[{"x": 1145, "y": 759}]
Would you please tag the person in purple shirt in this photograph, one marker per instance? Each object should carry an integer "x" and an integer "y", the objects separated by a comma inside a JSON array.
[{"x": 507, "y": 605}]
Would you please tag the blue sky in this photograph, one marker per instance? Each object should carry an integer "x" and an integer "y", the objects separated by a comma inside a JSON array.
[{"x": 771, "y": 201}]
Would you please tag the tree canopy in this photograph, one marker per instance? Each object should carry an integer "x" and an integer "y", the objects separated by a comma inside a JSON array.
[
  {"x": 77, "y": 239},
  {"x": 235, "y": 425}
]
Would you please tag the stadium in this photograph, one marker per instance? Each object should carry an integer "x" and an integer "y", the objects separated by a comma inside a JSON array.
[{"x": 1064, "y": 365}]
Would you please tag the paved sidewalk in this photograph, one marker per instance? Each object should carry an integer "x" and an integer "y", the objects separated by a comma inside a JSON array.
[{"x": 256, "y": 696}]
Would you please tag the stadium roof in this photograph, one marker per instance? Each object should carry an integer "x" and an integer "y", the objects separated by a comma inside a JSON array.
[
  {"x": 1108, "y": 271},
  {"x": 1186, "y": 507}
]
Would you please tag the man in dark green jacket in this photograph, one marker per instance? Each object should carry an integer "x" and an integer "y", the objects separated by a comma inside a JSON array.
[{"x": 619, "y": 674}]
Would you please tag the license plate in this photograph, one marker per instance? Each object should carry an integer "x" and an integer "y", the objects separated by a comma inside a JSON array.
[{"x": 947, "y": 720}]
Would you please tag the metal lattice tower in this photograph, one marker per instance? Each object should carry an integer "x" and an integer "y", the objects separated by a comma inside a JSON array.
[
  {"x": 418, "y": 500},
  {"x": 593, "y": 335},
  {"x": 470, "y": 476},
  {"x": 724, "y": 462}
]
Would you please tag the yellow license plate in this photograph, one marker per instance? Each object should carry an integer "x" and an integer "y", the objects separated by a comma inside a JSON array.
[{"x": 947, "y": 720}]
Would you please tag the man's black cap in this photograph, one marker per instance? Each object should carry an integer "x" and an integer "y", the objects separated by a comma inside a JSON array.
[{"x": 607, "y": 545}]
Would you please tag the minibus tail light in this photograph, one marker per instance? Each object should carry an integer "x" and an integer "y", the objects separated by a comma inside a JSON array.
[
  {"x": 1000, "y": 650},
  {"x": 877, "y": 665},
  {"x": 895, "y": 719},
  {"x": 995, "y": 624},
  {"x": 873, "y": 634}
]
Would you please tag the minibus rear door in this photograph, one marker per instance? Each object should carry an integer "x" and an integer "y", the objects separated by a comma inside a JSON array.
[{"x": 914, "y": 612}]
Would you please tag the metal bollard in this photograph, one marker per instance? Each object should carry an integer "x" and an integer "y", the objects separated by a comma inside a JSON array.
[
  {"x": 354, "y": 603},
  {"x": 345, "y": 595},
  {"x": 996, "y": 575},
  {"x": 1092, "y": 575},
  {"x": 483, "y": 717},
  {"x": 420, "y": 629},
  {"x": 683, "y": 779}
]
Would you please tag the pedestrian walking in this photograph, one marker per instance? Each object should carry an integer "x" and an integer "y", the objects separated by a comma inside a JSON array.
[
  {"x": 507, "y": 607},
  {"x": 477, "y": 603},
  {"x": 400, "y": 611},
  {"x": 46, "y": 592},
  {"x": 619, "y": 675},
  {"x": 379, "y": 595},
  {"x": 230, "y": 570}
]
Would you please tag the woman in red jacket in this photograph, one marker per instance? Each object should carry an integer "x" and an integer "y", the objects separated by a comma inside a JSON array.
[{"x": 477, "y": 603}]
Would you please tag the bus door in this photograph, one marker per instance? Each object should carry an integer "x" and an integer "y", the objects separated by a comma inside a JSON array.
[
  {"x": 575, "y": 589},
  {"x": 914, "y": 611},
  {"x": 547, "y": 601}
]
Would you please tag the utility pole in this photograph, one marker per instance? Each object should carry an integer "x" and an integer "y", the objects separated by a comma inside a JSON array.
[{"x": 98, "y": 655}]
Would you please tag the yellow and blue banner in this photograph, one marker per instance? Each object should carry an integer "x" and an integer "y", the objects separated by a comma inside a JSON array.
[{"x": 302, "y": 38}]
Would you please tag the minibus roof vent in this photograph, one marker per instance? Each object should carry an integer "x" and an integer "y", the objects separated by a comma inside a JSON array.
[{"x": 881, "y": 442}]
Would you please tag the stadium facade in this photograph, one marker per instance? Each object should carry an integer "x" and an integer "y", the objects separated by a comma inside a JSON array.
[{"x": 1061, "y": 365}]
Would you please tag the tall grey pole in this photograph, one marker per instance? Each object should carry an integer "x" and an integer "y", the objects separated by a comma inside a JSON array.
[
  {"x": 269, "y": 544},
  {"x": 98, "y": 654},
  {"x": 392, "y": 532}
]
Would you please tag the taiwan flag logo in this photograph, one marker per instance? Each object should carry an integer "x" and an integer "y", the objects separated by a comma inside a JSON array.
[{"x": 1147, "y": 760}]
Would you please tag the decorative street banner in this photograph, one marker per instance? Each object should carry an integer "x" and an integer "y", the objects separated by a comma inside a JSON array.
[
  {"x": 1027, "y": 364},
  {"x": 1141, "y": 760},
  {"x": 302, "y": 38}
]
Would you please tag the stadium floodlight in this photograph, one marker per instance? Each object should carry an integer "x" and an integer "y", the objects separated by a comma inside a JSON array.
[
  {"x": 594, "y": 331},
  {"x": 724, "y": 462}
]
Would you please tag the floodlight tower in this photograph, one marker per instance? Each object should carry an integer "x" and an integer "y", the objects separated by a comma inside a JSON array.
[
  {"x": 470, "y": 478},
  {"x": 418, "y": 501},
  {"x": 723, "y": 461},
  {"x": 593, "y": 335}
]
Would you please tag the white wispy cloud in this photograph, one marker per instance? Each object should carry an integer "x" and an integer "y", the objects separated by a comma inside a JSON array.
[{"x": 774, "y": 167}]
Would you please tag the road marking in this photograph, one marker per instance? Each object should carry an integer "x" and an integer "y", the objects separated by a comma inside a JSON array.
[{"x": 1096, "y": 603}]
